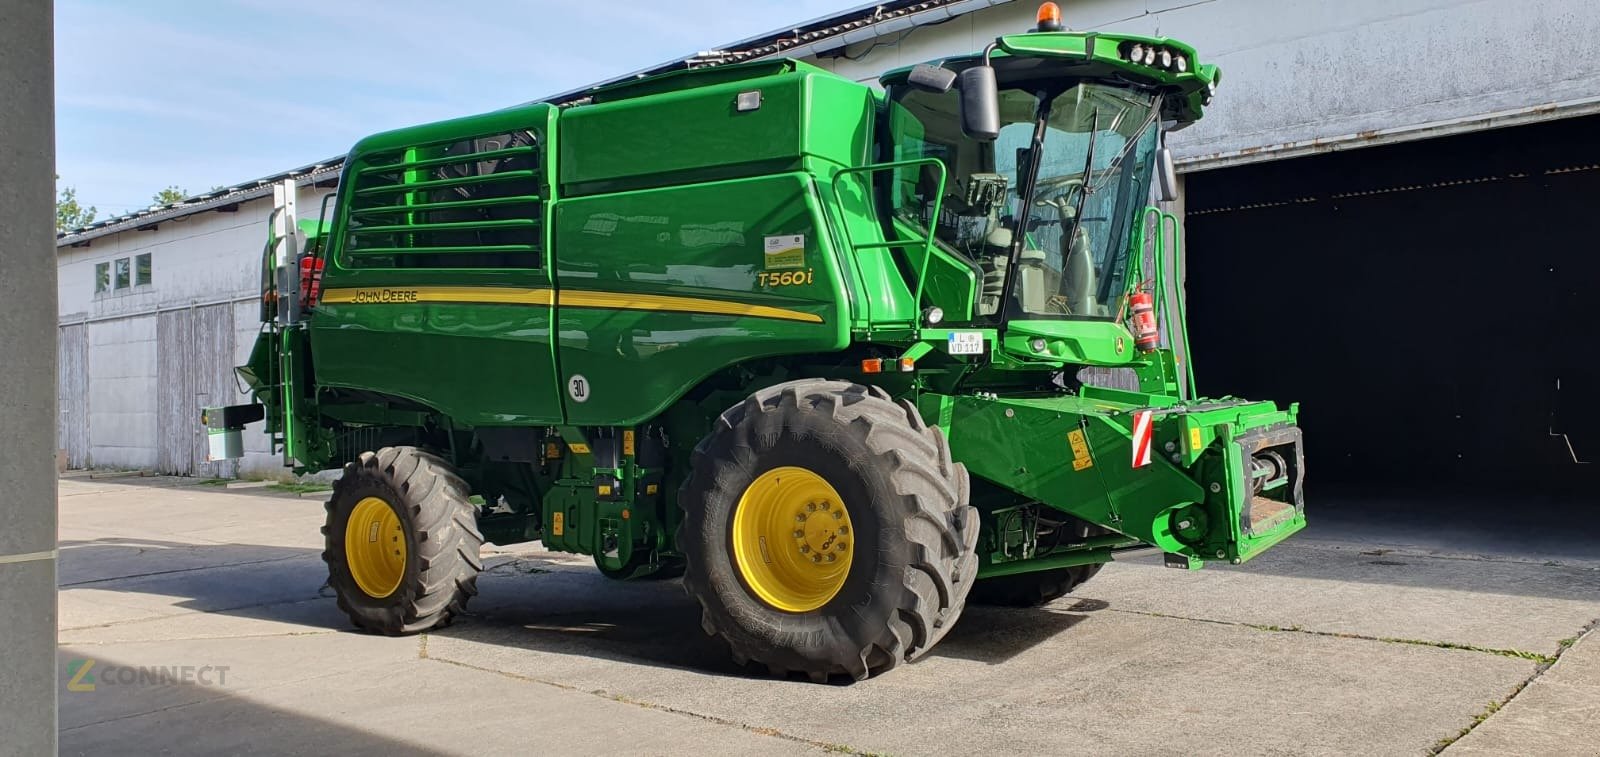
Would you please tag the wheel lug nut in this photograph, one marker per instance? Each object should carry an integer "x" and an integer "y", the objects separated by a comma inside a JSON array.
[
  {"x": 825, "y": 505},
  {"x": 799, "y": 534},
  {"x": 838, "y": 515},
  {"x": 804, "y": 549},
  {"x": 844, "y": 530},
  {"x": 816, "y": 558},
  {"x": 831, "y": 557},
  {"x": 801, "y": 518},
  {"x": 842, "y": 546},
  {"x": 811, "y": 506}
]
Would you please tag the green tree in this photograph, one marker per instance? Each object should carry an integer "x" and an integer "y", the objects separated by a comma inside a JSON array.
[
  {"x": 69, "y": 213},
  {"x": 169, "y": 195}
]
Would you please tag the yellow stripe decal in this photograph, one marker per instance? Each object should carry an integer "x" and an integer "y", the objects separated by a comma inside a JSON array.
[
  {"x": 567, "y": 298},
  {"x": 619, "y": 301}
]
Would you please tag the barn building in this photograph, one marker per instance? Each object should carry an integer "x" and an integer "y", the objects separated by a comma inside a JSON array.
[{"x": 1380, "y": 218}]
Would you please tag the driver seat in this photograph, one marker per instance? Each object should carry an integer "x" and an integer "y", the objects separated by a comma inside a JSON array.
[{"x": 1080, "y": 281}]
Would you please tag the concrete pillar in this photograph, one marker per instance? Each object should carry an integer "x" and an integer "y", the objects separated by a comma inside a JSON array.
[{"x": 28, "y": 679}]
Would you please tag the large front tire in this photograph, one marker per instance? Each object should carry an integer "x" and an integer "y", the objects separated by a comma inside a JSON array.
[
  {"x": 827, "y": 531},
  {"x": 401, "y": 542}
]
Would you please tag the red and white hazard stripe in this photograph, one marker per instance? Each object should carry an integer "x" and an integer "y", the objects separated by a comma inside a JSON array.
[{"x": 1141, "y": 438}]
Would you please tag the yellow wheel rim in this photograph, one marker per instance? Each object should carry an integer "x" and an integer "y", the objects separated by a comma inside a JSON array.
[
  {"x": 375, "y": 547},
  {"x": 792, "y": 539}
]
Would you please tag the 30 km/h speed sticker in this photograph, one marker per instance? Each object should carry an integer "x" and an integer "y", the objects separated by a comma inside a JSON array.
[
  {"x": 578, "y": 388},
  {"x": 966, "y": 343}
]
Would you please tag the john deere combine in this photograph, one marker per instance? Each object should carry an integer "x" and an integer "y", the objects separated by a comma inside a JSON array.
[{"x": 817, "y": 348}]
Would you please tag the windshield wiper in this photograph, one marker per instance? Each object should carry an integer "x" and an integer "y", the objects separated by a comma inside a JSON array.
[
  {"x": 1083, "y": 183},
  {"x": 1026, "y": 186}
]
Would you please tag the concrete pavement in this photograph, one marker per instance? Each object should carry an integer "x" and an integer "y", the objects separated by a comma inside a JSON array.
[{"x": 1319, "y": 647}]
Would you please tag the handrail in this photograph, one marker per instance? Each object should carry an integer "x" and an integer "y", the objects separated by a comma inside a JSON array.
[
  {"x": 1155, "y": 239},
  {"x": 926, "y": 241},
  {"x": 1170, "y": 222}
]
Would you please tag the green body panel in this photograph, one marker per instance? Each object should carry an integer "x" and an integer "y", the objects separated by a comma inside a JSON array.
[
  {"x": 699, "y": 242},
  {"x": 486, "y": 364},
  {"x": 1023, "y": 445},
  {"x": 562, "y": 300},
  {"x": 478, "y": 363},
  {"x": 1080, "y": 342},
  {"x": 692, "y": 133}
]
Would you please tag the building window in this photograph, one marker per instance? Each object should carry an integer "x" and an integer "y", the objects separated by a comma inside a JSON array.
[
  {"x": 124, "y": 274},
  {"x": 141, "y": 270},
  {"x": 102, "y": 278}
]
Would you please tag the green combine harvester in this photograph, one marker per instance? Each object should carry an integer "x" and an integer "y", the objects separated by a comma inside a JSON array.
[{"x": 819, "y": 349}]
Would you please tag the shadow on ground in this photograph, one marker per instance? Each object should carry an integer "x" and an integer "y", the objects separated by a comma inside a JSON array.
[
  {"x": 561, "y": 606},
  {"x": 96, "y": 722},
  {"x": 524, "y": 602}
]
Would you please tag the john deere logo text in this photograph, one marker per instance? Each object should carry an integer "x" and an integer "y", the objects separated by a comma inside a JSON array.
[{"x": 367, "y": 296}]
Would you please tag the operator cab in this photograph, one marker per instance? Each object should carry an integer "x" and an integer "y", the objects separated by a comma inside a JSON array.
[
  {"x": 1058, "y": 189},
  {"x": 1093, "y": 176}
]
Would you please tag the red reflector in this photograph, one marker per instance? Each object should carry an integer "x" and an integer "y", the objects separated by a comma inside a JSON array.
[{"x": 872, "y": 365}]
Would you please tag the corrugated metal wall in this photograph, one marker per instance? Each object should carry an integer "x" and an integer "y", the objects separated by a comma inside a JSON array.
[
  {"x": 195, "y": 370},
  {"x": 72, "y": 386}
]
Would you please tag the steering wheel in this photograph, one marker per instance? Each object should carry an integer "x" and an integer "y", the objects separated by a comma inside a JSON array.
[{"x": 1069, "y": 186}]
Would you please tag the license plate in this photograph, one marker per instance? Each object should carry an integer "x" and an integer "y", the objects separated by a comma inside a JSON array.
[{"x": 966, "y": 343}]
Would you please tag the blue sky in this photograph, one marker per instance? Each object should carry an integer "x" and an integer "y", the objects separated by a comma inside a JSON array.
[{"x": 200, "y": 94}]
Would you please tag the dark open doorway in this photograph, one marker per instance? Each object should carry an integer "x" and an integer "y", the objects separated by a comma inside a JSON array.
[{"x": 1429, "y": 303}]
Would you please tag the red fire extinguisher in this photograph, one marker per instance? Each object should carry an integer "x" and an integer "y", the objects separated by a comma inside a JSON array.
[{"x": 1146, "y": 334}]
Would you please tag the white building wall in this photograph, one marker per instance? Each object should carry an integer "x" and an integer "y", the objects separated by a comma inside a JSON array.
[
  {"x": 204, "y": 259},
  {"x": 122, "y": 392},
  {"x": 1306, "y": 75}
]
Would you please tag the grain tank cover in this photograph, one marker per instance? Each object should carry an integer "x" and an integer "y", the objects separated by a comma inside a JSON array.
[{"x": 710, "y": 124}]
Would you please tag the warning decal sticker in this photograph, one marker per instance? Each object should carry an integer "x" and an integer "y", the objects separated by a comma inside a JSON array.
[
  {"x": 1080, "y": 450},
  {"x": 787, "y": 251}
]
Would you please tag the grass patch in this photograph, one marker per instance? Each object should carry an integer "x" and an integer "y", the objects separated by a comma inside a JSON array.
[
  {"x": 1542, "y": 659},
  {"x": 1494, "y": 707},
  {"x": 213, "y": 482}
]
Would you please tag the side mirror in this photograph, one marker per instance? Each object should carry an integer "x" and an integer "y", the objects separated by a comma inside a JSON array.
[
  {"x": 935, "y": 79},
  {"x": 1166, "y": 176},
  {"x": 980, "y": 104}
]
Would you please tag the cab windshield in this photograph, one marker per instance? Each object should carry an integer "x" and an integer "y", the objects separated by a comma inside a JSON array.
[{"x": 1071, "y": 217}]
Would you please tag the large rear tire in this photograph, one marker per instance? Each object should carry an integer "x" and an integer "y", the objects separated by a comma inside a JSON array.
[
  {"x": 401, "y": 542},
  {"x": 827, "y": 531}
]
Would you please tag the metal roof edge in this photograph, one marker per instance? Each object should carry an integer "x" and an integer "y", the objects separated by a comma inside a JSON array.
[{"x": 250, "y": 190}]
